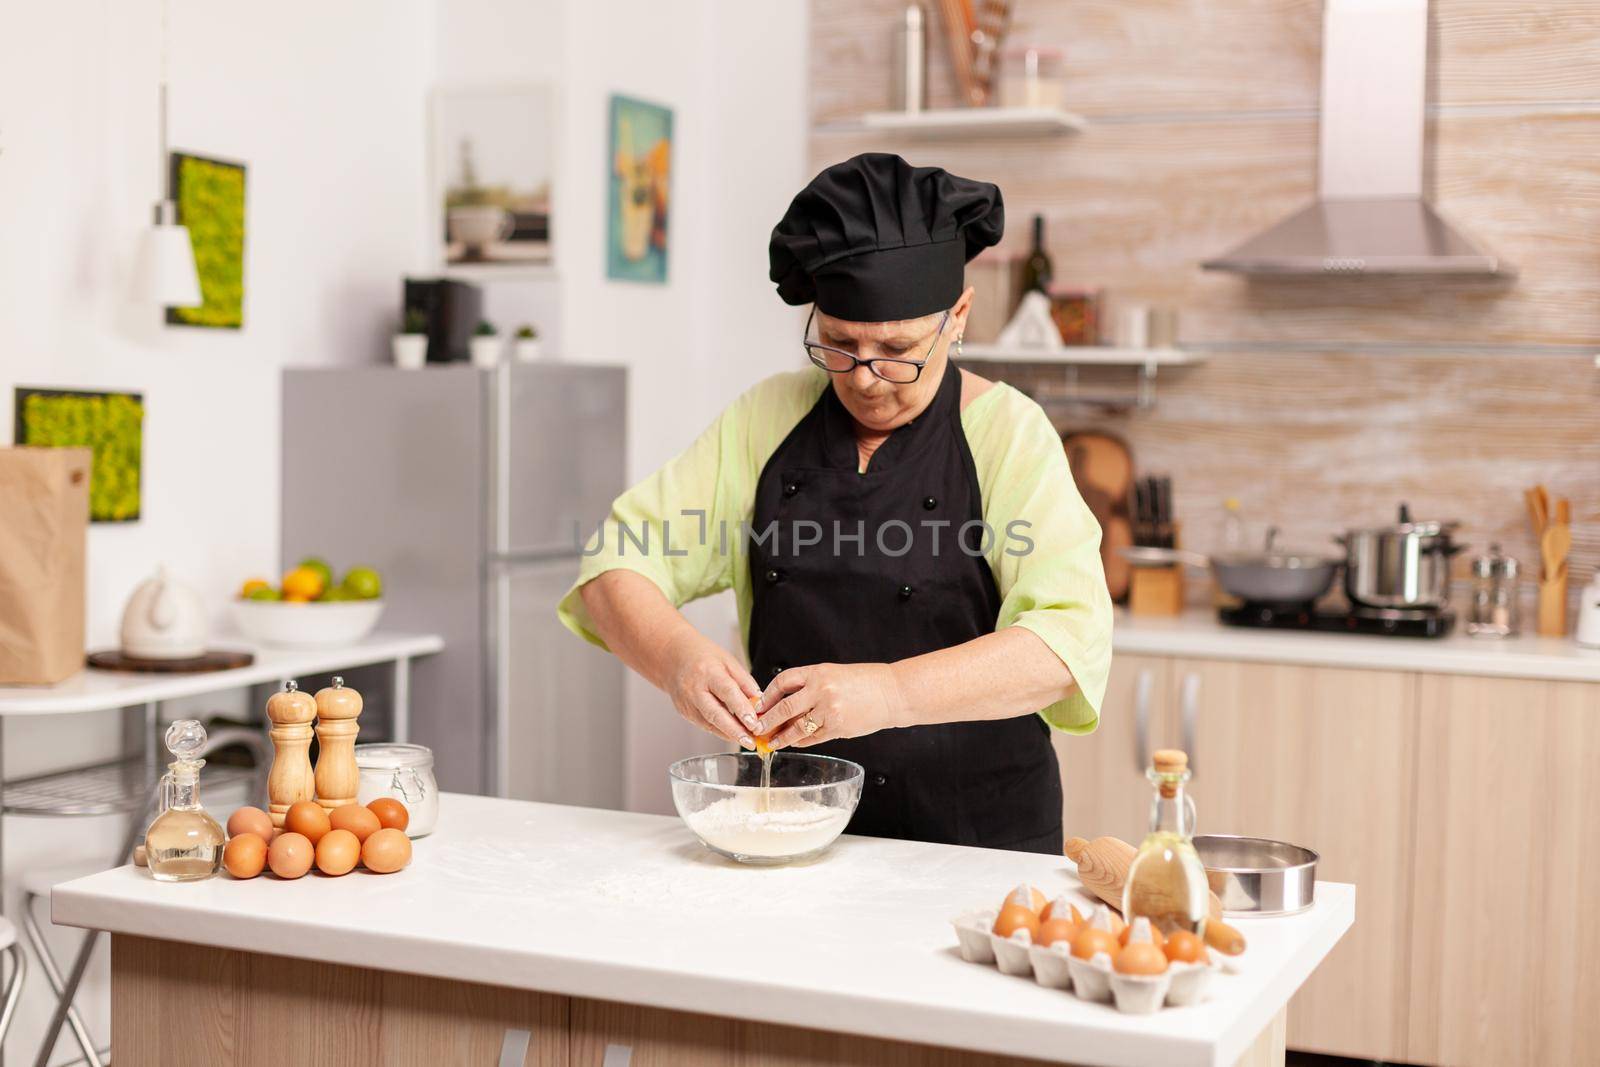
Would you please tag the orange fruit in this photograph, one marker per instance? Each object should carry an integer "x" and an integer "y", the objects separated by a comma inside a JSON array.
[
  {"x": 252, "y": 586},
  {"x": 302, "y": 583}
]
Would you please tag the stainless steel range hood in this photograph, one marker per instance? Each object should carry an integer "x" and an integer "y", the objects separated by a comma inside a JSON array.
[{"x": 1370, "y": 216}]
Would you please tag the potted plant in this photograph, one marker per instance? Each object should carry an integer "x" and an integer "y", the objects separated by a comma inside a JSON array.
[
  {"x": 486, "y": 345},
  {"x": 411, "y": 343},
  {"x": 527, "y": 347}
]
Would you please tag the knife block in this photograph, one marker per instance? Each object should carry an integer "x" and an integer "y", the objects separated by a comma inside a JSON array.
[
  {"x": 1553, "y": 606},
  {"x": 1156, "y": 590}
]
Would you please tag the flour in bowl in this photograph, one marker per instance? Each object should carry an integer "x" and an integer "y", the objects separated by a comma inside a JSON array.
[{"x": 790, "y": 826}]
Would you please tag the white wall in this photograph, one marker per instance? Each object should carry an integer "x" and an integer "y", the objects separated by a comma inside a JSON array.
[
  {"x": 734, "y": 75},
  {"x": 323, "y": 102}
]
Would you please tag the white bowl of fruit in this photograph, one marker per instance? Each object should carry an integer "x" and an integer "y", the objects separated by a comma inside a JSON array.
[{"x": 309, "y": 609}]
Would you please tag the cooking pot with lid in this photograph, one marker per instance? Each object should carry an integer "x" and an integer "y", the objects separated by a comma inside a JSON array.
[{"x": 1403, "y": 565}]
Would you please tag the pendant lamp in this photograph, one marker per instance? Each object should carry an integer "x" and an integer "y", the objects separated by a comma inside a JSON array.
[{"x": 166, "y": 275}]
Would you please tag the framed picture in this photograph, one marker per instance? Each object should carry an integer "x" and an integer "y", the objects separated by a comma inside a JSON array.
[
  {"x": 640, "y": 166},
  {"x": 111, "y": 424},
  {"x": 210, "y": 198},
  {"x": 493, "y": 166}
]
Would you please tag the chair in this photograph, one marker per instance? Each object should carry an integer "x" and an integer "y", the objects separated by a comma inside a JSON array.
[
  {"x": 100, "y": 790},
  {"x": 19, "y": 968}
]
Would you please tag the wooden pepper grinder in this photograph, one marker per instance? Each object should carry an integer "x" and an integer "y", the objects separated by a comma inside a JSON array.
[
  {"x": 289, "y": 781},
  {"x": 338, "y": 777}
]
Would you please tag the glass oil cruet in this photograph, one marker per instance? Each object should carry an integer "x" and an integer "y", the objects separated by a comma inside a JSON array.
[
  {"x": 1167, "y": 882},
  {"x": 184, "y": 843}
]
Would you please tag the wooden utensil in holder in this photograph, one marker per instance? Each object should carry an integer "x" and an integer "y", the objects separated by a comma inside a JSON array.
[
  {"x": 1157, "y": 590},
  {"x": 1552, "y": 527}
]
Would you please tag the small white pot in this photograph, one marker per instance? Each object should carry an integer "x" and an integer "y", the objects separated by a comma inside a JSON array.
[
  {"x": 410, "y": 350},
  {"x": 486, "y": 351},
  {"x": 528, "y": 351}
]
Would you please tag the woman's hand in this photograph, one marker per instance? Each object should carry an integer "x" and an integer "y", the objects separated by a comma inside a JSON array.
[
  {"x": 710, "y": 688},
  {"x": 808, "y": 705}
]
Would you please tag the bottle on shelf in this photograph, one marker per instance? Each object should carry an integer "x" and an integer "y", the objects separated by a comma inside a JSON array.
[
  {"x": 183, "y": 844},
  {"x": 1037, "y": 270},
  {"x": 1166, "y": 881}
]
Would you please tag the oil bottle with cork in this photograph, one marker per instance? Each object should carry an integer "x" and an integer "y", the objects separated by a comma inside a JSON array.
[
  {"x": 184, "y": 843},
  {"x": 1167, "y": 882}
]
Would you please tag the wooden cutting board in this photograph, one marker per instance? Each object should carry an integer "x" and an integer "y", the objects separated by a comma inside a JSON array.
[{"x": 1102, "y": 468}]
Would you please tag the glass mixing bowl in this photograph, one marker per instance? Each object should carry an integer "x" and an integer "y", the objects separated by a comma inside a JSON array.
[{"x": 808, "y": 805}]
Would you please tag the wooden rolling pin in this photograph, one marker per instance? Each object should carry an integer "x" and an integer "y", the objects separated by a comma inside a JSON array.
[{"x": 1103, "y": 867}]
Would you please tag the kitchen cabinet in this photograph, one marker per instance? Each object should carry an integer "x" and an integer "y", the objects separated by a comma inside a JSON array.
[
  {"x": 1102, "y": 774},
  {"x": 1322, "y": 757},
  {"x": 1508, "y": 824}
]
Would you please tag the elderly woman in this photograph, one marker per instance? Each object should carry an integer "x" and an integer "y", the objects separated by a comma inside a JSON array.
[{"x": 917, "y": 577}]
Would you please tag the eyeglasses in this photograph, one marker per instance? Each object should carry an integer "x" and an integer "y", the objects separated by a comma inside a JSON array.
[{"x": 838, "y": 361}]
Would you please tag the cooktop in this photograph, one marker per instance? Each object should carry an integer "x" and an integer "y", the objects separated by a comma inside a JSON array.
[{"x": 1383, "y": 622}]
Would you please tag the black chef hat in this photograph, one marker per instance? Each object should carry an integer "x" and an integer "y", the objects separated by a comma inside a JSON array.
[{"x": 874, "y": 239}]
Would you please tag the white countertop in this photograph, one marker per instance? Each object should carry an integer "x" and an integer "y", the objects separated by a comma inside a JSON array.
[
  {"x": 625, "y": 907},
  {"x": 92, "y": 689},
  {"x": 1199, "y": 635}
]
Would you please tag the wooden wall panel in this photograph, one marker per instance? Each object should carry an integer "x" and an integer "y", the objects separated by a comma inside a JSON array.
[
  {"x": 1178, "y": 56},
  {"x": 1136, "y": 208}
]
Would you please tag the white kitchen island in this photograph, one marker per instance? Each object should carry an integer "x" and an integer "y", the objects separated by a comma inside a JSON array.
[{"x": 540, "y": 934}]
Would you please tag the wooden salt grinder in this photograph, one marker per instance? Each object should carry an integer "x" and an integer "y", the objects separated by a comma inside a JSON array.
[
  {"x": 289, "y": 781},
  {"x": 338, "y": 777}
]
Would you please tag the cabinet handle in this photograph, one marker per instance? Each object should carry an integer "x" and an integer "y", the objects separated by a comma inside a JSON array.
[
  {"x": 1191, "y": 715},
  {"x": 1141, "y": 720}
]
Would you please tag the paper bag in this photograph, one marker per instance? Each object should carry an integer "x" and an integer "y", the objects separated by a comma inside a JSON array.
[{"x": 44, "y": 524}]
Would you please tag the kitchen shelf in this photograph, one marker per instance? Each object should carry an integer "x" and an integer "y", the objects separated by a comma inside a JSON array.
[
  {"x": 1087, "y": 355},
  {"x": 963, "y": 122}
]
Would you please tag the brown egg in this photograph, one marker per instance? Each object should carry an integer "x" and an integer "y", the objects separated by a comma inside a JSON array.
[
  {"x": 1141, "y": 957},
  {"x": 391, "y": 813},
  {"x": 1185, "y": 947},
  {"x": 1092, "y": 939},
  {"x": 358, "y": 820},
  {"x": 1062, "y": 908},
  {"x": 290, "y": 855},
  {"x": 386, "y": 851},
  {"x": 1014, "y": 917},
  {"x": 308, "y": 819},
  {"x": 1053, "y": 930},
  {"x": 1155, "y": 936},
  {"x": 338, "y": 852},
  {"x": 1028, "y": 897},
  {"x": 245, "y": 854},
  {"x": 250, "y": 821}
]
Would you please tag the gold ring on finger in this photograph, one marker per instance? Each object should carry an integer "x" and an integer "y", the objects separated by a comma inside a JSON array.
[{"x": 809, "y": 725}]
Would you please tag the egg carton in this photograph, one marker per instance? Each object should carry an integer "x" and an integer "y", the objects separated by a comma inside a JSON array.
[{"x": 1093, "y": 979}]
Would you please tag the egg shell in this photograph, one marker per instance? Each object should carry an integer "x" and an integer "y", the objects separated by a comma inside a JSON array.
[
  {"x": 1014, "y": 917},
  {"x": 338, "y": 852},
  {"x": 1155, "y": 935},
  {"x": 386, "y": 851},
  {"x": 1141, "y": 957},
  {"x": 356, "y": 819},
  {"x": 290, "y": 855},
  {"x": 1053, "y": 930},
  {"x": 245, "y": 855},
  {"x": 249, "y": 820},
  {"x": 1091, "y": 940},
  {"x": 1063, "y": 908},
  {"x": 1186, "y": 947},
  {"x": 308, "y": 819},
  {"x": 1028, "y": 897},
  {"x": 391, "y": 813}
]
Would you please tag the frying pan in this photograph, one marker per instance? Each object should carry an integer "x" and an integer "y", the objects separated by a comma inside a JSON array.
[{"x": 1270, "y": 577}]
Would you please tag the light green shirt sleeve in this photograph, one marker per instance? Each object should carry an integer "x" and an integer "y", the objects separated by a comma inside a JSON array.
[
  {"x": 682, "y": 526},
  {"x": 1046, "y": 550}
]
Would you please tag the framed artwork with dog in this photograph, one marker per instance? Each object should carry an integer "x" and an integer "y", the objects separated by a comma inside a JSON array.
[{"x": 641, "y": 191}]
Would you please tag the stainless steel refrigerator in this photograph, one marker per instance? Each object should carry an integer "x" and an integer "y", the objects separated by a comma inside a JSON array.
[{"x": 470, "y": 490}]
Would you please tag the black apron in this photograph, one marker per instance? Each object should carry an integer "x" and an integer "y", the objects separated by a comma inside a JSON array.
[{"x": 896, "y": 582}]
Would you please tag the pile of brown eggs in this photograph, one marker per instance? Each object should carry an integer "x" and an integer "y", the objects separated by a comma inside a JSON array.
[{"x": 336, "y": 842}]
